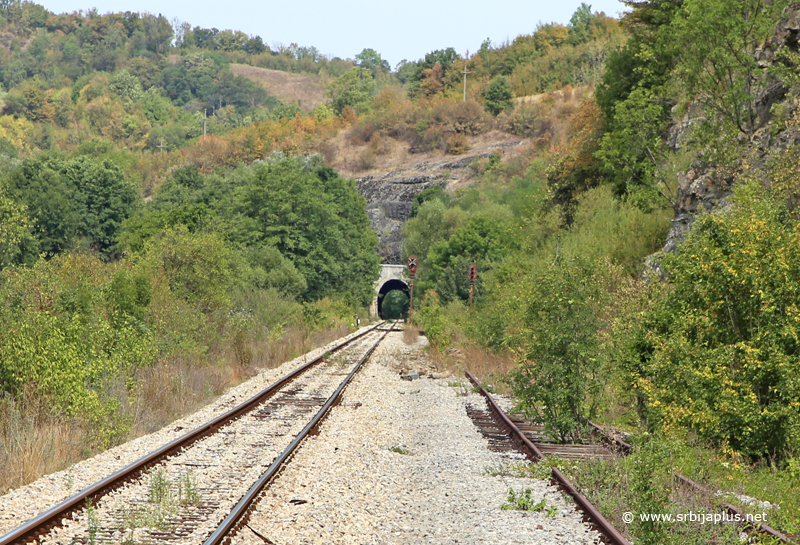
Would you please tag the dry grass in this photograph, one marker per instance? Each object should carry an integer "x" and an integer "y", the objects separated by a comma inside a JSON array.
[
  {"x": 34, "y": 442},
  {"x": 392, "y": 154},
  {"x": 410, "y": 333},
  {"x": 487, "y": 366},
  {"x": 306, "y": 91}
]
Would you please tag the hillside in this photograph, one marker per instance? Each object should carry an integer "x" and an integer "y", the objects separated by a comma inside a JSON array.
[
  {"x": 276, "y": 181},
  {"x": 304, "y": 90}
]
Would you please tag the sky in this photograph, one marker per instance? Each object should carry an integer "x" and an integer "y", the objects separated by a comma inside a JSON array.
[{"x": 404, "y": 29}]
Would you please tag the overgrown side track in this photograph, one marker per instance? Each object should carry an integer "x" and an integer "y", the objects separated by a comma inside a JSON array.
[
  {"x": 621, "y": 446},
  {"x": 507, "y": 433},
  {"x": 521, "y": 441},
  {"x": 176, "y": 488}
]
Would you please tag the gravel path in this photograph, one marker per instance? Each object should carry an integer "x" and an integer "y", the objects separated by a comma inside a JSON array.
[{"x": 396, "y": 463}]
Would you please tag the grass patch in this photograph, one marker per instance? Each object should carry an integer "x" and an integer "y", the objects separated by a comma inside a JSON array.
[
  {"x": 645, "y": 482},
  {"x": 165, "y": 497}
]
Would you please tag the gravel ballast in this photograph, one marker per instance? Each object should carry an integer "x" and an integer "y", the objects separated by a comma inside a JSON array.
[
  {"x": 397, "y": 462},
  {"x": 400, "y": 462}
]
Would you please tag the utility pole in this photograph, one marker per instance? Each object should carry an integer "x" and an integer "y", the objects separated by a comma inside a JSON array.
[
  {"x": 205, "y": 116},
  {"x": 161, "y": 146},
  {"x": 465, "y": 75}
]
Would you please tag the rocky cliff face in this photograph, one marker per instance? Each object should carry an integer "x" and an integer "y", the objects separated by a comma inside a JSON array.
[
  {"x": 702, "y": 188},
  {"x": 390, "y": 196}
]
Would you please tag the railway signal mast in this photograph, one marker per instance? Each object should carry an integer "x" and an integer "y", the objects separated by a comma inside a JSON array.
[
  {"x": 412, "y": 271},
  {"x": 472, "y": 274}
]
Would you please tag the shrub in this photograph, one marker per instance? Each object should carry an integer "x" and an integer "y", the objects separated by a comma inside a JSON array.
[
  {"x": 199, "y": 267},
  {"x": 718, "y": 352}
]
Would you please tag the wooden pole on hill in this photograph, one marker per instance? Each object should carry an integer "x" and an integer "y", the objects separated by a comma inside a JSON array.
[{"x": 465, "y": 75}]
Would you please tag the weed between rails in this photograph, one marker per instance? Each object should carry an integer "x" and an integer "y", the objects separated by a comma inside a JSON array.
[{"x": 165, "y": 499}]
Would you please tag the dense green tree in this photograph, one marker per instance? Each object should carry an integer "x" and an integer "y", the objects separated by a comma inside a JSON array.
[
  {"x": 579, "y": 24},
  {"x": 51, "y": 201},
  {"x": 719, "y": 40},
  {"x": 15, "y": 231},
  {"x": 498, "y": 96},
  {"x": 80, "y": 199},
  {"x": 354, "y": 89},
  {"x": 558, "y": 381},
  {"x": 105, "y": 200},
  {"x": 716, "y": 349},
  {"x": 317, "y": 219},
  {"x": 434, "y": 192},
  {"x": 482, "y": 241},
  {"x": 372, "y": 61}
]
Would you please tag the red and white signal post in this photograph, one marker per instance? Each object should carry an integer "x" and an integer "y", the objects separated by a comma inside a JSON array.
[{"x": 412, "y": 271}]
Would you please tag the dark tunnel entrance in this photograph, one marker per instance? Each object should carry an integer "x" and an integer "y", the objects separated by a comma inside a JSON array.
[{"x": 395, "y": 305}]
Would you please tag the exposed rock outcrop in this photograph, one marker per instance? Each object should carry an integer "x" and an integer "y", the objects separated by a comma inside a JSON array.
[{"x": 390, "y": 196}]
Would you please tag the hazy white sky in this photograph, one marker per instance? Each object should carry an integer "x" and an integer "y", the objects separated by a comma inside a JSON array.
[{"x": 398, "y": 30}]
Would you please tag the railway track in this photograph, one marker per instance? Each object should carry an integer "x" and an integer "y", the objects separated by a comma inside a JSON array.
[
  {"x": 508, "y": 432},
  {"x": 518, "y": 440},
  {"x": 199, "y": 487}
]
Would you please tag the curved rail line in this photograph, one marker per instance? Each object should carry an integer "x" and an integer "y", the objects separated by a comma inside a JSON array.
[
  {"x": 614, "y": 444},
  {"x": 53, "y": 517}
]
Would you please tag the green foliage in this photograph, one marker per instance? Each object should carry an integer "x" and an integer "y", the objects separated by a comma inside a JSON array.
[
  {"x": 372, "y": 61},
  {"x": 718, "y": 351},
  {"x": 199, "y": 267},
  {"x": 523, "y": 501},
  {"x": 58, "y": 342},
  {"x": 483, "y": 240},
  {"x": 434, "y": 192},
  {"x": 315, "y": 218},
  {"x": 105, "y": 199},
  {"x": 137, "y": 230},
  {"x": 395, "y": 305},
  {"x": 354, "y": 89},
  {"x": 15, "y": 232},
  {"x": 80, "y": 199},
  {"x": 498, "y": 96},
  {"x": 632, "y": 152},
  {"x": 431, "y": 315},
  {"x": 273, "y": 270},
  {"x": 718, "y": 60},
  {"x": 559, "y": 382},
  {"x": 129, "y": 295}
]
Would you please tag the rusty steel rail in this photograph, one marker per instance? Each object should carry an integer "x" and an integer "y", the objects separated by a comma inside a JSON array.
[
  {"x": 535, "y": 454},
  {"x": 762, "y": 528},
  {"x": 517, "y": 436},
  {"x": 237, "y": 517},
  {"x": 53, "y": 517}
]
